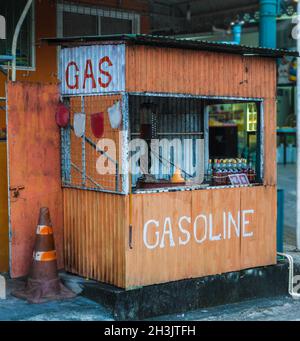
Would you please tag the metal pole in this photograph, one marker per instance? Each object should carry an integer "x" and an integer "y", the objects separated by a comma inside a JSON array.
[
  {"x": 298, "y": 134},
  {"x": 237, "y": 32},
  {"x": 267, "y": 23},
  {"x": 15, "y": 39}
]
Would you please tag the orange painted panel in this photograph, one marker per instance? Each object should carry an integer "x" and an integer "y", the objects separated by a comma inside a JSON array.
[
  {"x": 171, "y": 70},
  {"x": 190, "y": 234},
  {"x": 34, "y": 163},
  {"x": 157, "y": 69},
  {"x": 94, "y": 235},
  {"x": 227, "y": 230},
  {"x": 263, "y": 226},
  {"x": 4, "y": 250}
]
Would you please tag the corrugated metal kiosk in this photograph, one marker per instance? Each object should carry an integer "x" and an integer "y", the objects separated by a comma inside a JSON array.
[{"x": 169, "y": 161}]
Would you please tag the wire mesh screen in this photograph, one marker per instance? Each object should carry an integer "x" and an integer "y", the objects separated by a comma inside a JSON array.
[
  {"x": 91, "y": 145},
  {"x": 178, "y": 120}
]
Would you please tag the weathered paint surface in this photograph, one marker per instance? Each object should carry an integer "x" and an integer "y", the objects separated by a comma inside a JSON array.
[
  {"x": 156, "y": 70},
  {"x": 213, "y": 252},
  {"x": 4, "y": 258},
  {"x": 34, "y": 163},
  {"x": 94, "y": 235},
  {"x": 170, "y": 70},
  {"x": 97, "y": 234},
  {"x": 92, "y": 69}
]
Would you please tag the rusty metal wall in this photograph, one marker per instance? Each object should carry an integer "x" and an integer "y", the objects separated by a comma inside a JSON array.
[
  {"x": 4, "y": 242},
  {"x": 94, "y": 235},
  {"x": 34, "y": 164},
  {"x": 145, "y": 266},
  {"x": 171, "y": 70}
]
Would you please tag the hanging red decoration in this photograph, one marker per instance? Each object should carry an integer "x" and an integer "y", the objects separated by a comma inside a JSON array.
[
  {"x": 97, "y": 124},
  {"x": 62, "y": 115}
]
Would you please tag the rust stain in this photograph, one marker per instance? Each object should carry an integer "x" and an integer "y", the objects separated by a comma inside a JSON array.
[
  {"x": 155, "y": 69},
  {"x": 34, "y": 159}
]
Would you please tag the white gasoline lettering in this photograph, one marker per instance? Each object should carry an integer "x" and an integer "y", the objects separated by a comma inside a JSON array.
[{"x": 161, "y": 234}]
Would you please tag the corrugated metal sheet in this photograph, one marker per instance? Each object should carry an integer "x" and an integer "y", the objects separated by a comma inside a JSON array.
[
  {"x": 166, "y": 41},
  {"x": 166, "y": 70},
  {"x": 92, "y": 69},
  {"x": 152, "y": 266},
  {"x": 94, "y": 235}
]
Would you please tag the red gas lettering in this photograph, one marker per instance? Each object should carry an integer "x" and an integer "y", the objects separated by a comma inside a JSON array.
[
  {"x": 76, "y": 84},
  {"x": 105, "y": 73},
  {"x": 88, "y": 73}
]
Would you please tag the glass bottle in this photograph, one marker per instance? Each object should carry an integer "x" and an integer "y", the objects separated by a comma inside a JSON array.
[
  {"x": 209, "y": 171},
  {"x": 224, "y": 172},
  {"x": 215, "y": 171},
  {"x": 251, "y": 173}
]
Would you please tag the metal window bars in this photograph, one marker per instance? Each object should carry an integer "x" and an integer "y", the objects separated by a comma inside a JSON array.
[{"x": 80, "y": 155}]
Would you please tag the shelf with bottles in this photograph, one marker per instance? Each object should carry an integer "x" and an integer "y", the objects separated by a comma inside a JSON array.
[
  {"x": 251, "y": 117},
  {"x": 219, "y": 170}
]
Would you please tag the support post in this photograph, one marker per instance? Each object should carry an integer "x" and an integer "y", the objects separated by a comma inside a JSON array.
[
  {"x": 267, "y": 24},
  {"x": 237, "y": 32}
]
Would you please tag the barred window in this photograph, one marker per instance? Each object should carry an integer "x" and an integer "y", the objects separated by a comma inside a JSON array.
[
  {"x": 74, "y": 20},
  {"x": 12, "y": 11}
]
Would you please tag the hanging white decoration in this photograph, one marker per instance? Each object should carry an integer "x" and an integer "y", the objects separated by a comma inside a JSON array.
[
  {"x": 79, "y": 124},
  {"x": 115, "y": 115}
]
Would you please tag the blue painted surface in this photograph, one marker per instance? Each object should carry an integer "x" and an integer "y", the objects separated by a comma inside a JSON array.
[
  {"x": 267, "y": 25},
  {"x": 280, "y": 219},
  {"x": 287, "y": 130},
  {"x": 237, "y": 32},
  {"x": 5, "y": 58}
]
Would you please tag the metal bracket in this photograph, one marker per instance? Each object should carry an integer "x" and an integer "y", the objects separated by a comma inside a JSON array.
[{"x": 16, "y": 190}]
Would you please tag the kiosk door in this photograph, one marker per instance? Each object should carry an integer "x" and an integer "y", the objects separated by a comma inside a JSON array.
[{"x": 34, "y": 168}]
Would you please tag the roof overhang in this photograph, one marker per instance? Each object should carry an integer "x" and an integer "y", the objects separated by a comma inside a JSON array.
[{"x": 166, "y": 41}]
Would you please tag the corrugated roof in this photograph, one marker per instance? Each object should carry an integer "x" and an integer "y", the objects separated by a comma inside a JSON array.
[{"x": 166, "y": 41}]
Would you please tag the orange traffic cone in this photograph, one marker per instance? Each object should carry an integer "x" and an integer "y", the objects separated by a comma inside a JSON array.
[{"x": 43, "y": 283}]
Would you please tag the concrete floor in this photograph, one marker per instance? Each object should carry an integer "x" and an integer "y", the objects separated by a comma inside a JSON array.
[
  {"x": 282, "y": 308},
  {"x": 82, "y": 309},
  {"x": 77, "y": 309}
]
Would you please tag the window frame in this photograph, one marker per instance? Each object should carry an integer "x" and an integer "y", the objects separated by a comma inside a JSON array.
[
  {"x": 260, "y": 128},
  {"x": 96, "y": 11},
  {"x": 164, "y": 135},
  {"x": 32, "y": 46},
  {"x": 260, "y": 132}
]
